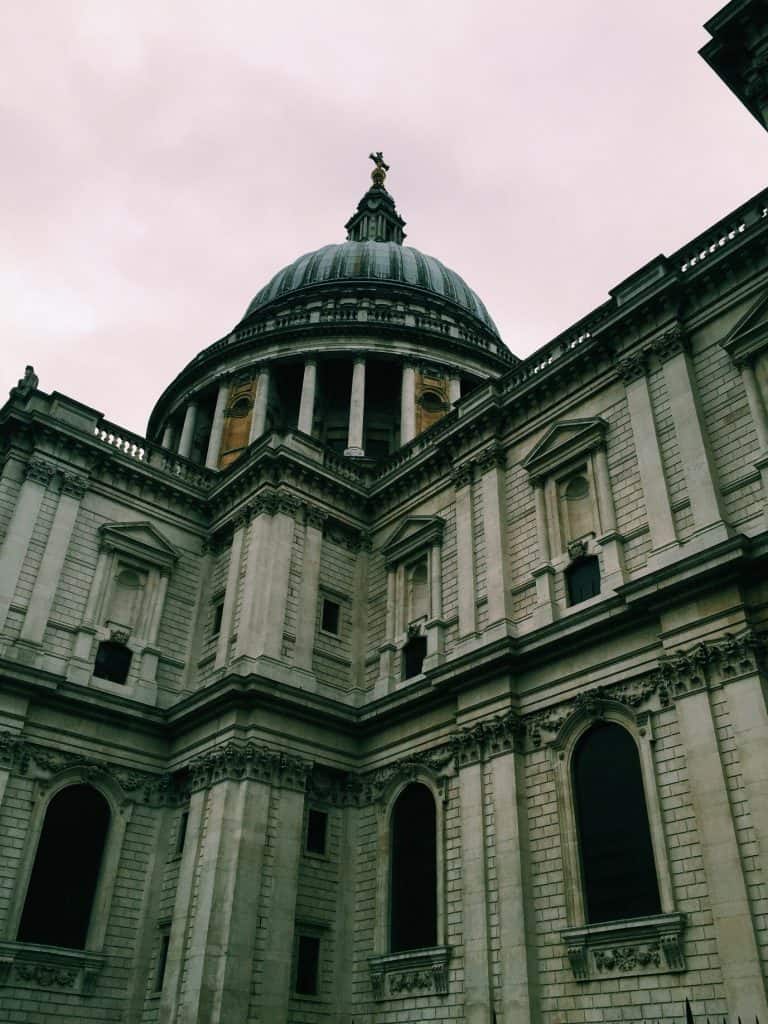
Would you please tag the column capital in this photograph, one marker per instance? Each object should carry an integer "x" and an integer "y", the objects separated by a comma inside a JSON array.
[
  {"x": 632, "y": 367},
  {"x": 315, "y": 517},
  {"x": 673, "y": 341},
  {"x": 39, "y": 471},
  {"x": 74, "y": 485},
  {"x": 462, "y": 475}
]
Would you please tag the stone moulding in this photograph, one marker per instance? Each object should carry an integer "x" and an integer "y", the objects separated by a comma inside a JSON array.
[
  {"x": 417, "y": 972},
  {"x": 644, "y": 945},
  {"x": 234, "y": 761},
  {"x": 34, "y": 966}
]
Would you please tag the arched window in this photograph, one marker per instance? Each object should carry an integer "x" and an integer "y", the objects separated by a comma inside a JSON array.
[
  {"x": 413, "y": 870},
  {"x": 62, "y": 886},
  {"x": 617, "y": 865},
  {"x": 582, "y": 579}
]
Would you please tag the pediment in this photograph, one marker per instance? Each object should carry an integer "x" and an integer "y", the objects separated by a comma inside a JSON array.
[
  {"x": 562, "y": 442},
  {"x": 750, "y": 335},
  {"x": 141, "y": 540},
  {"x": 414, "y": 534}
]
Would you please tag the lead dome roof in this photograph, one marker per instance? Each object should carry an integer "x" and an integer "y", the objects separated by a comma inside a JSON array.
[{"x": 383, "y": 262}]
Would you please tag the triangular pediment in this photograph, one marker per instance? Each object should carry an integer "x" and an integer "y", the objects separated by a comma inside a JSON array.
[
  {"x": 142, "y": 540},
  {"x": 562, "y": 442},
  {"x": 414, "y": 534},
  {"x": 750, "y": 335}
]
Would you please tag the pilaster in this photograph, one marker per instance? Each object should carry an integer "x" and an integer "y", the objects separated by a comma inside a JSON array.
[
  {"x": 309, "y": 595},
  {"x": 544, "y": 573},
  {"x": 493, "y": 481},
  {"x": 465, "y": 555},
  {"x": 478, "y": 1004},
  {"x": 38, "y": 476},
  {"x": 217, "y": 426},
  {"x": 230, "y": 593},
  {"x": 73, "y": 487}
]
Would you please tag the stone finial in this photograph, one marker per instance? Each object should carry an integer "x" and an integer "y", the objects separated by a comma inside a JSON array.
[{"x": 376, "y": 218}]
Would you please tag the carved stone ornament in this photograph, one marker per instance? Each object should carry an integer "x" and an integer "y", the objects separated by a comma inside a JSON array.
[
  {"x": 708, "y": 664},
  {"x": 235, "y": 761},
  {"x": 577, "y": 549},
  {"x": 119, "y": 636},
  {"x": 40, "y": 471},
  {"x": 27, "y": 384},
  {"x": 492, "y": 458},
  {"x": 315, "y": 517},
  {"x": 43, "y": 763},
  {"x": 400, "y": 975},
  {"x": 263, "y": 504},
  {"x": 487, "y": 738},
  {"x": 643, "y": 945}
]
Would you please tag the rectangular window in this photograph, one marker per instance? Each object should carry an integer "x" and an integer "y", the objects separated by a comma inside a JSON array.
[
  {"x": 182, "y": 835},
  {"x": 218, "y": 612},
  {"x": 330, "y": 618},
  {"x": 307, "y": 965},
  {"x": 162, "y": 960},
  {"x": 317, "y": 827}
]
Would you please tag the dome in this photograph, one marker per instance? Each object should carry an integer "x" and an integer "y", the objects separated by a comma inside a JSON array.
[{"x": 385, "y": 263}]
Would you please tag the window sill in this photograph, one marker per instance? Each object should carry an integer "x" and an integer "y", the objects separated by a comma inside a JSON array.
[
  {"x": 633, "y": 946},
  {"x": 411, "y": 973},
  {"x": 51, "y": 967}
]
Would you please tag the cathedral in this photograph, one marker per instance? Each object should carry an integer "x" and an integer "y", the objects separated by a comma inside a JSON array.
[{"x": 391, "y": 678}]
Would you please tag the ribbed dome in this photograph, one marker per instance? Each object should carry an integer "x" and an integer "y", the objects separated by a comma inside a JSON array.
[{"x": 382, "y": 262}]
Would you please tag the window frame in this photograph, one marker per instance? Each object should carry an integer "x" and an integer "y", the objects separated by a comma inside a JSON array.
[
  {"x": 120, "y": 808},
  {"x": 640, "y": 728}
]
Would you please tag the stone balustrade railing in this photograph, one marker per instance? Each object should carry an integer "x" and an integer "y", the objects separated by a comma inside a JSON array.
[
  {"x": 145, "y": 452},
  {"x": 716, "y": 238}
]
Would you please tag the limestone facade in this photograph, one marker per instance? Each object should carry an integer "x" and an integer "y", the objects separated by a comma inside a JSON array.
[{"x": 321, "y": 603}]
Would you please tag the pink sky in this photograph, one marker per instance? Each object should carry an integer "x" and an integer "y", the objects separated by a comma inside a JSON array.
[{"x": 163, "y": 160}]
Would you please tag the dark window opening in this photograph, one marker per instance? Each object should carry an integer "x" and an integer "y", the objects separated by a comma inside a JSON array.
[
  {"x": 218, "y": 613},
  {"x": 582, "y": 579},
  {"x": 413, "y": 871},
  {"x": 618, "y": 868},
  {"x": 62, "y": 886},
  {"x": 414, "y": 653},
  {"x": 162, "y": 961},
  {"x": 317, "y": 827},
  {"x": 182, "y": 833},
  {"x": 113, "y": 661},
  {"x": 307, "y": 965},
  {"x": 330, "y": 617}
]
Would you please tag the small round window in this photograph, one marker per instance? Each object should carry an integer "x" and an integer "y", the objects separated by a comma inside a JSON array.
[
  {"x": 240, "y": 408},
  {"x": 577, "y": 488},
  {"x": 431, "y": 402}
]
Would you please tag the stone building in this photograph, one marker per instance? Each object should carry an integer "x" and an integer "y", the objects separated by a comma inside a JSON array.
[{"x": 392, "y": 678}]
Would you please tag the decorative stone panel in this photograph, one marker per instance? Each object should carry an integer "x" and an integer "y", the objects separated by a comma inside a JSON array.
[
  {"x": 413, "y": 973},
  {"x": 620, "y": 949},
  {"x": 61, "y": 970}
]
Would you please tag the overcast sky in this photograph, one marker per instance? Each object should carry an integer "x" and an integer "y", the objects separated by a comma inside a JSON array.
[{"x": 161, "y": 160}]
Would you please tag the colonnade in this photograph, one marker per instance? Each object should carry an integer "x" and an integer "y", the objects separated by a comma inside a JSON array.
[{"x": 356, "y": 426}]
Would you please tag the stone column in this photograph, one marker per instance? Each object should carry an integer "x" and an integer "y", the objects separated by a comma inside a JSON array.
[
  {"x": 308, "y": 389},
  {"x": 217, "y": 427},
  {"x": 13, "y": 552},
  {"x": 749, "y": 720},
  {"x": 493, "y": 467},
  {"x": 188, "y": 430},
  {"x": 282, "y": 912},
  {"x": 613, "y": 561},
  {"x": 465, "y": 555},
  {"x": 73, "y": 487},
  {"x": 478, "y": 1004},
  {"x": 356, "y": 409},
  {"x": 309, "y": 595},
  {"x": 408, "y": 404},
  {"x": 260, "y": 404},
  {"x": 516, "y": 915},
  {"x": 654, "y": 484},
  {"x": 454, "y": 388},
  {"x": 698, "y": 466},
  {"x": 230, "y": 593},
  {"x": 732, "y": 919},
  {"x": 167, "y": 441}
]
